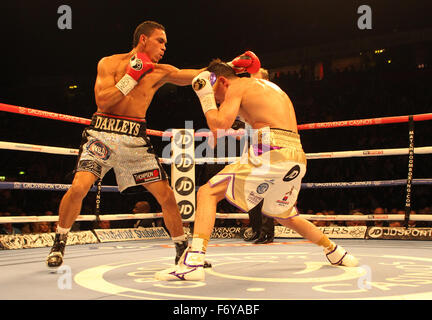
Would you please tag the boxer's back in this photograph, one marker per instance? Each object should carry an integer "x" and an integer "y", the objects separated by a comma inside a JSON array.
[{"x": 265, "y": 104}]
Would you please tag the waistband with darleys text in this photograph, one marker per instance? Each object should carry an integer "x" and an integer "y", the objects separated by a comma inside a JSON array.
[{"x": 117, "y": 124}]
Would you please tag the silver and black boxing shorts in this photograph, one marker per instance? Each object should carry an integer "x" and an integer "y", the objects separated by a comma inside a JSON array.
[{"x": 119, "y": 143}]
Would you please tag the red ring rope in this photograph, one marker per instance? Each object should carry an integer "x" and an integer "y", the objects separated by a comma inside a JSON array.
[
  {"x": 364, "y": 122},
  {"x": 57, "y": 116},
  {"x": 308, "y": 126}
]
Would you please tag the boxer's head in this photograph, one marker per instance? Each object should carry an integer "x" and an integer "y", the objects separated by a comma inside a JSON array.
[
  {"x": 150, "y": 37},
  {"x": 224, "y": 74},
  {"x": 261, "y": 74}
]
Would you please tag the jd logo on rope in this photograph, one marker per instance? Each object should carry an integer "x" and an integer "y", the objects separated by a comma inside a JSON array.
[{"x": 292, "y": 174}]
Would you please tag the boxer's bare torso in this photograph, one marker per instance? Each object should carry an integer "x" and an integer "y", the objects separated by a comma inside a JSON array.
[
  {"x": 259, "y": 102},
  {"x": 135, "y": 104},
  {"x": 111, "y": 69},
  {"x": 265, "y": 104}
]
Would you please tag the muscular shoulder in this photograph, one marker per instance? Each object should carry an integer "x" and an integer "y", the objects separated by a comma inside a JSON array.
[
  {"x": 260, "y": 86},
  {"x": 107, "y": 63},
  {"x": 165, "y": 68},
  {"x": 239, "y": 87}
]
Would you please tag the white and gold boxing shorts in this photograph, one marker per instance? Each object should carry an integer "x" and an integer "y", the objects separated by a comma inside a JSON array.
[{"x": 271, "y": 171}]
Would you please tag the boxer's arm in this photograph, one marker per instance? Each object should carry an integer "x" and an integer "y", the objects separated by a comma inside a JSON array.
[
  {"x": 106, "y": 93},
  {"x": 224, "y": 117},
  {"x": 179, "y": 77}
]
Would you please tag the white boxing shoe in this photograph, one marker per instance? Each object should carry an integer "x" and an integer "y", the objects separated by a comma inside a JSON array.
[
  {"x": 190, "y": 267},
  {"x": 339, "y": 256}
]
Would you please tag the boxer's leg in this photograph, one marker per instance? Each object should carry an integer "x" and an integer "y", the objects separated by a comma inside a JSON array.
[
  {"x": 191, "y": 266},
  {"x": 70, "y": 208},
  {"x": 70, "y": 205},
  {"x": 164, "y": 195},
  {"x": 306, "y": 229},
  {"x": 335, "y": 254},
  {"x": 171, "y": 214},
  {"x": 205, "y": 216}
]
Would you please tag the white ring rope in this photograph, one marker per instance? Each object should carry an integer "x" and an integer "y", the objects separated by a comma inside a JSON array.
[
  {"x": 321, "y": 155},
  {"x": 127, "y": 216},
  {"x": 42, "y": 186},
  {"x": 37, "y": 148},
  {"x": 310, "y": 156}
]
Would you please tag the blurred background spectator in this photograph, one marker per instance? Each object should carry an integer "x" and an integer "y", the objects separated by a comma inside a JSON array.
[
  {"x": 8, "y": 228},
  {"x": 355, "y": 223}
]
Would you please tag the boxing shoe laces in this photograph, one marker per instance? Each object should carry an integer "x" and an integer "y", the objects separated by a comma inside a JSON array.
[
  {"x": 180, "y": 249},
  {"x": 55, "y": 257},
  {"x": 190, "y": 267},
  {"x": 339, "y": 256}
]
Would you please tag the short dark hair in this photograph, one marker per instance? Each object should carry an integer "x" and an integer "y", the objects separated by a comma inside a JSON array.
[
  {"x": 145, "y": 28},
  {"x": 220, "y": 68}
]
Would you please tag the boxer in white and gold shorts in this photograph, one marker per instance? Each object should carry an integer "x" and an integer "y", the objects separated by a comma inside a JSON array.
[{"x": 270, "y": 172}]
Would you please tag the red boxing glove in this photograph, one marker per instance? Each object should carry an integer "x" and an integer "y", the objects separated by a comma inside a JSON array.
[
  {"x": 139, "y": 65},
  {"x": 247, "y": 62}
]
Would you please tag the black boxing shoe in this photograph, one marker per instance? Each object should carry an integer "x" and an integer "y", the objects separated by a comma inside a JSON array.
[
  {"x": 55, "y": 257},
  {"x": 264, "y": 238},
  {"x": 180, "y": 248},
  {"x": 251, "y": 236}
]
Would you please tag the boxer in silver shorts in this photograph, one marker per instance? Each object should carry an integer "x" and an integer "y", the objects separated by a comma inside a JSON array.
[
  {"x": 124, "y": 88},
  {"x": 119, "y": 143}
]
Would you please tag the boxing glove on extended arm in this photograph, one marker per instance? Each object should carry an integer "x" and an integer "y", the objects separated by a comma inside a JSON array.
[{"x": 139, "y": 65}]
